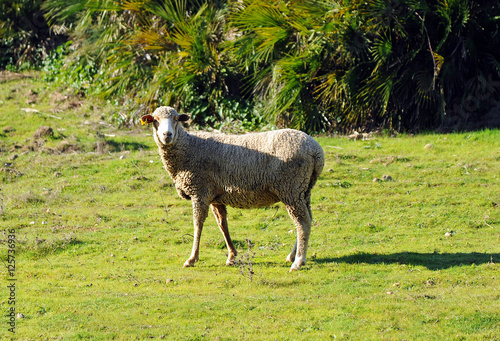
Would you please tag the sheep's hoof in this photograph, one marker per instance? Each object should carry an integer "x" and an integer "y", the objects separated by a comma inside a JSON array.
[
  {"x": 290, "y": 258},
  {"x": 297, "y": 264},
  {"x": 188, "y": 264}
]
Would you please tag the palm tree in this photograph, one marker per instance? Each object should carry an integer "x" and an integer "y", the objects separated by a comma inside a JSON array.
[
  {"x": 280, "y": 45},
  {"x": 315, "y": 65},
  {"x": 401, "y": 64},
  {"x": 156, "y": 52},
  {"x": 416, "y": 63}
]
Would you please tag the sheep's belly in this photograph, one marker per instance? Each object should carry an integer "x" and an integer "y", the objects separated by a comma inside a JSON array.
[{"x": 247, "y": 199}]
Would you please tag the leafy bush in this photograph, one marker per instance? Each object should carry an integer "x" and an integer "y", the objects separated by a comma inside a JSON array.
[
  {"x": 78, "y": 76},
  {"x": 307, "y": 64},
  {"x": 156, "y": 53},
  {"x": 25, "y": 37},
  {"x": 402, "y": 64}
]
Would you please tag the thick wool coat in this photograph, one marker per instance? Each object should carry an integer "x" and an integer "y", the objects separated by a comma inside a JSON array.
[{"x": 243, "y": 171}]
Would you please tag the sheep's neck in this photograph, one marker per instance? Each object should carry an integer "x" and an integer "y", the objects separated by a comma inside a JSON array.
[{"x": 172, "y": 157}]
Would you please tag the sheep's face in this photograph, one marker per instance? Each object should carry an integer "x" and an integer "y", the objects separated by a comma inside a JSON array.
[{"x": 165, "y": 124}]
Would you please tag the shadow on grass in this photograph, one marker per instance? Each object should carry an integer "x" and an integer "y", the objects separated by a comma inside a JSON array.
[
  {"x": 39, "y": 247},
  {"x": 432, "y": 261},
  {"x": 115, "y": 146}
]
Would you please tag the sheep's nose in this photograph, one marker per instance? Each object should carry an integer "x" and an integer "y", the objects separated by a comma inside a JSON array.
[{"x": 169, "y": 135}]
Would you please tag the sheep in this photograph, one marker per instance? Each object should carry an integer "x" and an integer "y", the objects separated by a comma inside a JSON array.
[{"x": 243, "y": 171}]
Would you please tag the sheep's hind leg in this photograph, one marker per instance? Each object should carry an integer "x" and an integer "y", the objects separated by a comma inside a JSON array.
[
  {"x": 302, "y": 219},
  {"x": 200, "y": 213},
  {"x": 220, "y": 214},
  {"x": 291, "y": 256}
]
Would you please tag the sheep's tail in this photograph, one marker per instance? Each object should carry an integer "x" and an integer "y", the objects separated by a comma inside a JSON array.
[{"x": 319, "y": 163}]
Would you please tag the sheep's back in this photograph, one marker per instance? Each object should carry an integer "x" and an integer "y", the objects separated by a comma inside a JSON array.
[
  {"x": 282, "y": 144},
  {"x": 252, "y": 169}
]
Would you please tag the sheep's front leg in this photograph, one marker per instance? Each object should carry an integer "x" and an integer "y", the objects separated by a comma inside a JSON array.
[
  {"x": 200, "y": 213},
  {"x": 220, "y": 214}
]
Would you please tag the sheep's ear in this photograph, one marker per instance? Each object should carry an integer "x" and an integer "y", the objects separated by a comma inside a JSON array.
[
  {"x": 183, "y": 117},
  {"x": 147, "y": 119}
]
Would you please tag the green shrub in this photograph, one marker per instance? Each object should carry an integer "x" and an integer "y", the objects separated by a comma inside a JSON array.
[
  {"x": 25, "y": 36},
  {"x": 312, "y": 65}
]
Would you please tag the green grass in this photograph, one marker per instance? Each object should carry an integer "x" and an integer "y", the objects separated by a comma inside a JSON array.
[{"x": 101, "y": 237}]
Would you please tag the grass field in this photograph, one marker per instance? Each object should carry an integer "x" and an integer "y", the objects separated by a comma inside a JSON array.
[{"x": 100, "y": 236}]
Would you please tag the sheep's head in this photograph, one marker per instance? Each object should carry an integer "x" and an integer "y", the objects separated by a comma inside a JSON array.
[{"x": 165, "y": 123}]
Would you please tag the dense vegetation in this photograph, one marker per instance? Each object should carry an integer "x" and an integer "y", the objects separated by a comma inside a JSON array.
[
  {"x": 309, "y": 64},
  {"x": 25, "y": 36}
]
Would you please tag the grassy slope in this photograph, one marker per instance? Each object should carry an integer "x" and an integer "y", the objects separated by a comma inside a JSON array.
[{"x": 101, "y": 239}]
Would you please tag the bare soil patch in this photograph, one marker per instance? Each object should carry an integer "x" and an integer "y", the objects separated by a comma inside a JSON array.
[{"x": 7, "y": 76}]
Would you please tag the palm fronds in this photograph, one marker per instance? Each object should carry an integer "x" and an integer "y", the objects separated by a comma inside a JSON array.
[{"x": 315, "y": 65}]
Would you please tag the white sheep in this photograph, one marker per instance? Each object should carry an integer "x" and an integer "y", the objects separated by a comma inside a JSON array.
[{"x": 243, "y": 171}]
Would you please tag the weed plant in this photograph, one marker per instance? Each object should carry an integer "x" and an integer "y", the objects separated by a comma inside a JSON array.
[{"x": 245, "y": 262}]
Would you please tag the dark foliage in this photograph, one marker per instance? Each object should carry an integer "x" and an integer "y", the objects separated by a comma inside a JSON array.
[
  {"x": 315, "y": 65},
  {"x": 25, "y": 36}
]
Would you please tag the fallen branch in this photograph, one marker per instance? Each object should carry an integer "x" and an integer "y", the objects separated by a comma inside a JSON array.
[{"x": 30, "y": 110}]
